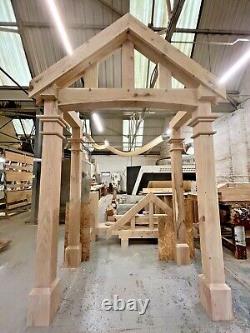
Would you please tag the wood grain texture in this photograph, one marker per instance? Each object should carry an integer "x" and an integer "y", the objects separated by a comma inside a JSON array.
[
  {"x": 85, "y": 230},
  {"x": 166, "y": 239}
]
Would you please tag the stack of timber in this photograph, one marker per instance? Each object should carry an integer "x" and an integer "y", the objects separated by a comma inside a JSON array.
[
  {"x": 234, "y": 202},
  {"x": 16, "y": 181}
]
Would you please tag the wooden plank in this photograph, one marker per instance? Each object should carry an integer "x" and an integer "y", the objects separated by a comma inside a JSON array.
[
  {"x": 138, "y": 233},
  {"x": 166, "y": 240},
  {"x": 19, "y": 158},
  {"x": 128, "y": 75},
  {"x": 11, "y": 176},
  {"x": 82, "y": 99},
  {"x": 156, "y": 190},
  {"x": 72, "y": 119},
  {"x": 151, "y": 215},
  {"x": 13, "y": 196},
  {"x": 179, "y": 120}
]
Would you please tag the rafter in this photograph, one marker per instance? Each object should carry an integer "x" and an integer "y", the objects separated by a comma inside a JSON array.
[{"x": 71, "y": 68}]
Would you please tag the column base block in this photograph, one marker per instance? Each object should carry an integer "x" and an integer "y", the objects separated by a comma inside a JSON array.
[
  {"x": 216, "y": 299},
  {"x": 182, "y": 254},
  {"x": 73, "y": 256},
  {"x": 43, "y": 305}
]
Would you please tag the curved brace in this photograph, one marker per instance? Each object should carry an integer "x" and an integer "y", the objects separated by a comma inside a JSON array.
[{"x": 136, "y": 152}]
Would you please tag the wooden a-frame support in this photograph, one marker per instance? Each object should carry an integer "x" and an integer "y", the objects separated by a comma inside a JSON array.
[{"x": 51, "y": 89}]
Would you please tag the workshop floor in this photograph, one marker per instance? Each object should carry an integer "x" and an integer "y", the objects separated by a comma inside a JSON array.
[{"x": 134, "y": 273}]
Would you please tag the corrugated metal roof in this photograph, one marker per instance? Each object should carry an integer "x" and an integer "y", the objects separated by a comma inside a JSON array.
[
  {"x": 82, "y": 20},
  {"x": 12, "y": 56},
  {"x": 224, "y": 14}
]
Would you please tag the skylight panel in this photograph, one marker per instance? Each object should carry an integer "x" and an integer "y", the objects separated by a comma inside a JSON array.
[{"x": 12, "y": 55}]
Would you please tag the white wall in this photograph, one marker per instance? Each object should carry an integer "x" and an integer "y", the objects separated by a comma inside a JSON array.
[
  {"x": 114, "y": 163},
  {"x": 232, "y": 146}
]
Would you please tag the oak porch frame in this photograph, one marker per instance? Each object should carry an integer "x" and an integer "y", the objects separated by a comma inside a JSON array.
[{"x": 195, "y": 101}]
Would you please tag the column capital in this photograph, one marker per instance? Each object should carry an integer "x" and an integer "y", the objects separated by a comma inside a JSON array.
[
  {"x": 76, "y": 144},
  {"x": 202, "y": 125},
  {"x": 176, "y": 144},
  {"x": 202, "y": 119},
  {"x": 54, "y": 124}
]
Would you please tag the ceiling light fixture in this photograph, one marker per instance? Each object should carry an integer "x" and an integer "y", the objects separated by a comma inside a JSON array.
[
  {"x": 59, "y": 25},
  {"x": 97, "y": 122},
  {"x": 237, "y": 66}
]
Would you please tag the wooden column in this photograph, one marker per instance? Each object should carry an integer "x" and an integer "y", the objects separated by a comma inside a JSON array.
[
  {"x": 94, "y": 209},
  {"x": 45, "y": 296},
  {"x": 74, "y": 248},
  {"x": 176, "y": 149},
  {"x": 215, "y": 295}
]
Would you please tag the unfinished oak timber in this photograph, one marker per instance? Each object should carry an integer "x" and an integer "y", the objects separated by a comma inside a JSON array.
[
  {"x": 215, "y": 295},
  {"x": 71, "y": 68},
  {"x": 85, "y": 237},
  {"x": 44, "y": 298},
  {"x": 234, "y": 192},
  {"x": 165, "y": 53},
  {"x": 182, "y": 254},
  {"x": 72, "y": 119},
  {"x": 164, "y": 80},
  {"x": 176, "y": 149},
  {"x": 166, "y": 239},
  {"x": 22, "y": 176},
  {"x": 179, "y": 119},
  {"x": 128, "y": 67},
  {"x": 74, "y": 248},
  {"x": 126, "y": 222},
  {"x": 137, "y": 151},
  {"x": 82, "y": 99},
  {"x": 189, "y": 224},
  {"x": 91, "y": 76},
  {"x": 94, "y": 211}
]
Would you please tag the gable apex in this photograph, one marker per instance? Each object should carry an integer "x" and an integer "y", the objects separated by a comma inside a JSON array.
[{"x": 72, "y": 67}]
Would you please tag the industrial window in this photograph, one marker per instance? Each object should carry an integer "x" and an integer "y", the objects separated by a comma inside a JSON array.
[
  {"x": 132, "y": 134},
  {"x": 23, "y": 126},
  {"x": 86, "y": 126},
  {"x": 12, "y": 55}
]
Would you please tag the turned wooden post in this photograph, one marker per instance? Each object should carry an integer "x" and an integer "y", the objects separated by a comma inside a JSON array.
[
  {"x": 74, "y": 248},
  {"x": 176, "y": 149},
  {"x": 215, "y": 295},
  {"x": 45, "y": 296}
]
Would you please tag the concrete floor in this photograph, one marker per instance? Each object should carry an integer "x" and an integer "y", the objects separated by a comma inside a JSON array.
[{"x": 134, "y": 273}]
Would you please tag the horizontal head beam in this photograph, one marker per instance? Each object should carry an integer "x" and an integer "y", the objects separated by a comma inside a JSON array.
[{"x": 82, "y": 99}]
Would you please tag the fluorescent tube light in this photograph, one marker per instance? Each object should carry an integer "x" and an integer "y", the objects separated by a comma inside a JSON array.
[
  {"x": 237, "y": 66},
  {"x": 59, "y": 25},
  {"x": 97, "y": 122}
]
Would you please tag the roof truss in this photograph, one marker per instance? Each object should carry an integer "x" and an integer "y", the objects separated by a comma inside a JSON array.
[{"x": 71, "y": 68}]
